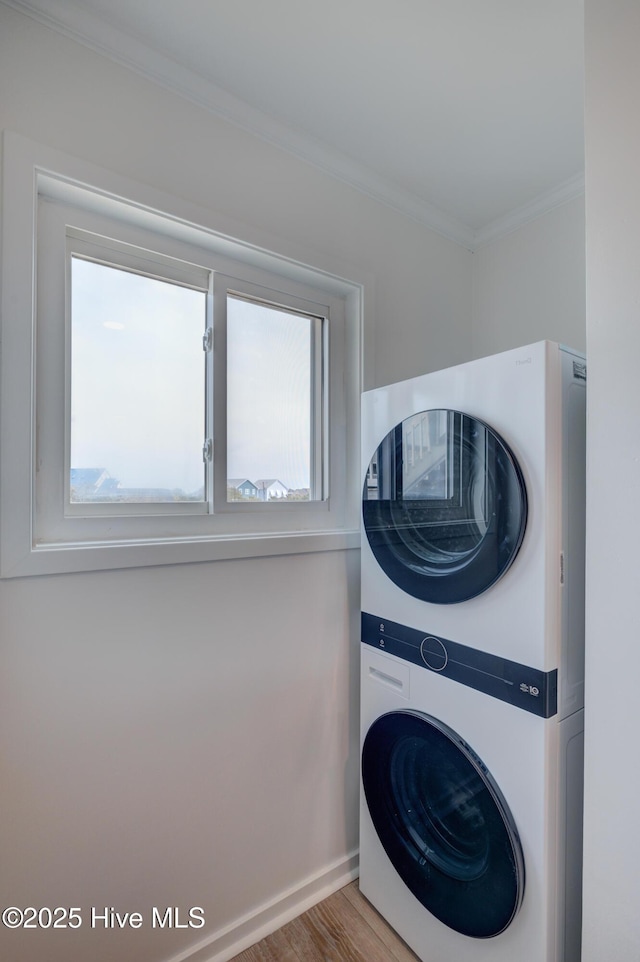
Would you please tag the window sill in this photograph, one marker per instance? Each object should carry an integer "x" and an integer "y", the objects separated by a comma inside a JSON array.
[{"x": 67, "y": 558}]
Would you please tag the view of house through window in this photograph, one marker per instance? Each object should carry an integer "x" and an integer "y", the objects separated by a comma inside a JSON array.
[
  {"x": 273, "y": 402},
  {"x": 138, "y": 429},
  {"x": 137, "y": 387}
]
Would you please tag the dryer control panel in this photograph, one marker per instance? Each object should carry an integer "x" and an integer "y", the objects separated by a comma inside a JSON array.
[{"x": 528, "y": 688}]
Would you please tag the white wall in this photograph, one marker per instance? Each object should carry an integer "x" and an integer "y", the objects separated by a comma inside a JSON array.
[
  {"x": 530, "y": 284},
  {"x": 612, "y": 838},
  {"x": 188, "y": 735}
]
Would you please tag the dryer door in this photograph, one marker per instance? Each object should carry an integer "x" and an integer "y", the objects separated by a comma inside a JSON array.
[
  {"x": 443, "y": 823},
  {"x": 444, "y": 506}
]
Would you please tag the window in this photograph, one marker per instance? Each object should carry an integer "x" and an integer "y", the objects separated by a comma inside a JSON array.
[
  {"x": 137, "y": 382},
  {"x": 275, "y": 390},
  {"x": 180, "y": 396}
]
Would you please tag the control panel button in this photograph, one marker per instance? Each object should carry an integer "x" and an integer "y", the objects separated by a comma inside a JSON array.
[{"x": 433, "y": 653}]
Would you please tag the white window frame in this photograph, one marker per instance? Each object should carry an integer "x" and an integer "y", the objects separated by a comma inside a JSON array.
[
  {"x": 327, "y": 314},
  {"x": 51, "y": 283},
  {"x": 39, "y": 534}
]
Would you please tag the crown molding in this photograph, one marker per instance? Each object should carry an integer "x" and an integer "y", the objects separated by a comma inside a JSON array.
[
  {"x": 83, "y": 26},
  {"x": 568, "y": 190}
]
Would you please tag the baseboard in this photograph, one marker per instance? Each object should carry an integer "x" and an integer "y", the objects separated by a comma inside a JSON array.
[{"x": 270, "y": 916}]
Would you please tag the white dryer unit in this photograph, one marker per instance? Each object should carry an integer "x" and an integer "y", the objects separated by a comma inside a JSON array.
[{"x": 472, "y": 657}]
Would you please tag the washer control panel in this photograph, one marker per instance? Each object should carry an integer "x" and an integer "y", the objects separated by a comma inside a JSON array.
[{"x": 525, "y": 687}]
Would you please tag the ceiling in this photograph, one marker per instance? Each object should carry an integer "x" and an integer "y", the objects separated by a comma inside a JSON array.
[{"x": 465, "y": 114}]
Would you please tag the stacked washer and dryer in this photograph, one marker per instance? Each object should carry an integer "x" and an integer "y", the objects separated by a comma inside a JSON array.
[{"x": 473, "y": 657}]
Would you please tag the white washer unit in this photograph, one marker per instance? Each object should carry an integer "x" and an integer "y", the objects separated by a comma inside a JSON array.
[{"x": 472, "y": 657}]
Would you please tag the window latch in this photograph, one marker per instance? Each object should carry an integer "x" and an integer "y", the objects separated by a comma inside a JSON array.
[
  {"x": 207, "y": 339},
  {"x": 207, "y": 450}
]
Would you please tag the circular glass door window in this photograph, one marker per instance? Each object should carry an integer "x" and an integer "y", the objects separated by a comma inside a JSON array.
[
  {"x": 443, "y": 823},
  {"x": 444, "y": 506}
]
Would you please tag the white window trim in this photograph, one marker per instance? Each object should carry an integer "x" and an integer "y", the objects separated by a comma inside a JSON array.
[
  {"x": 94, "y": 247},
  {"x": 225, "y": 285},
  {"x": 29, "y": 171}
]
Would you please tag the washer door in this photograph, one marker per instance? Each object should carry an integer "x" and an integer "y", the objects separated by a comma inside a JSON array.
[
  {"x": 444, "y": 506},
  {"x": 443, "y": 823}
]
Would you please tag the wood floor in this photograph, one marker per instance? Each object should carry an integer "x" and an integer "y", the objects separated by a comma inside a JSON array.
[{"x": 343, "y": 928}]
